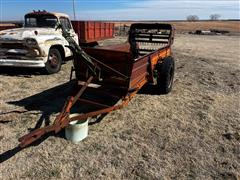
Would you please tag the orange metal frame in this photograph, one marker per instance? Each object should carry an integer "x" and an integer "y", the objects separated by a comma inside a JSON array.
[
  {"x": 62, "y": 120},
  {"x": 141, "y": 72}
]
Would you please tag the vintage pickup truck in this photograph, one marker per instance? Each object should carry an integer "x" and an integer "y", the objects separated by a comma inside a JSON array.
[{"x": 40, "y": 45}]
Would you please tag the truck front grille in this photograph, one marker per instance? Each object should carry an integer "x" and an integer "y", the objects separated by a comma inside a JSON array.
[{"x": 13, "y": 46}]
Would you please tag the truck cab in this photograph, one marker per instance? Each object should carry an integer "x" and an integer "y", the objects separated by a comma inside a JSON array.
[{"x": 39, "y": 44}]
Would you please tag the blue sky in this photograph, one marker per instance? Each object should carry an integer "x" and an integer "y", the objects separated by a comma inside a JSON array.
[{"x": 123, "y": 9}]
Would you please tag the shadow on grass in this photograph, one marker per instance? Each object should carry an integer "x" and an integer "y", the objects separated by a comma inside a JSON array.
[
  {"x": 20, "y": 71},
  {"x": 25, "y": 71},
  {"x": 149, "y": 90},
  {"x": 12, "y": 152},
  {"x": 50, "y": 102}
]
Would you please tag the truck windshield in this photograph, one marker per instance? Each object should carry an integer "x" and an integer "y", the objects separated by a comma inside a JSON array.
[{"x": 41, "y": 21}]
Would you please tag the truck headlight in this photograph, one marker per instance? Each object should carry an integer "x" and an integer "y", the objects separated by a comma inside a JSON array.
[{"x": 31, "y": 42}]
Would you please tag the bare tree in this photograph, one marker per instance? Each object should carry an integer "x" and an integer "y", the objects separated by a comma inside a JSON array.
[
  {"x": 214, "y": 17},
  {"x": 192, "y": 18}
]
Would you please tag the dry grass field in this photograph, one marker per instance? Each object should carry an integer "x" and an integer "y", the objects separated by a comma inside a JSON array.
[
  {"x": 185, "y": 27},
  {"x": 192, "y": 133},
  {"x": 231, "y": 26},
  {"x": 6, "y": 26}
]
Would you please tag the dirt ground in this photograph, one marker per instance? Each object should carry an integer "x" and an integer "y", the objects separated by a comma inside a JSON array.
[{"x": 192, "y": 133}]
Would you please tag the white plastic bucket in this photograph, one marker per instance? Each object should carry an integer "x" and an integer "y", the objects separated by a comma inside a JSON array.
[{"x": 76, "y": 131}]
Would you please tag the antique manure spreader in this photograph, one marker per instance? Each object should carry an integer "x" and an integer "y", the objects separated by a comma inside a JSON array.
[{"x": 109, "y": 77}]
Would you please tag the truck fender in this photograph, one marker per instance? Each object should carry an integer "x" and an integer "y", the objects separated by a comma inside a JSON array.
[{"x": 60, "y": 48}]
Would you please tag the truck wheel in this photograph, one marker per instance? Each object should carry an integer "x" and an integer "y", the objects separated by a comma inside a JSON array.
[
  {"x": 54, "y": 62},
  {"x": 165, "y": 75}
]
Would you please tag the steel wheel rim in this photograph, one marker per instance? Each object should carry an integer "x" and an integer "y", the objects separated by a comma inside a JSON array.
[{"x": 53, "y": 60}]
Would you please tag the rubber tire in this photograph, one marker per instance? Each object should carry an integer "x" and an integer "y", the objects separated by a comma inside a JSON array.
[
  {"x": 50, "y": 69},
  {"x": 165, "y": 75}
]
